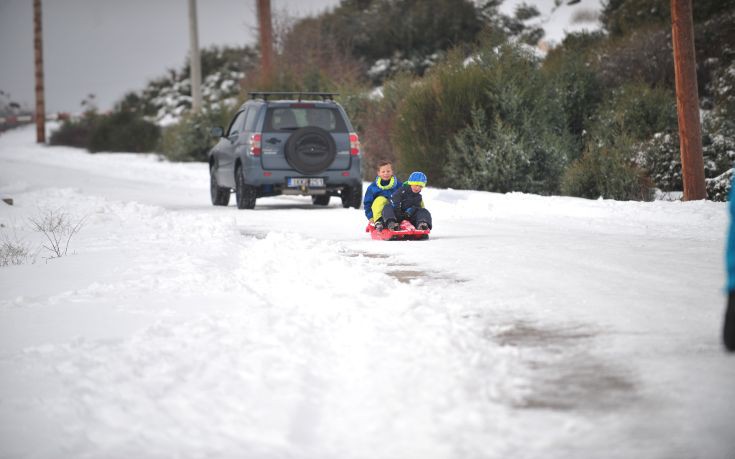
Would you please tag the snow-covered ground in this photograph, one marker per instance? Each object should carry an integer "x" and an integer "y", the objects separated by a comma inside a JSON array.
[{"x": 526, "y": 327}]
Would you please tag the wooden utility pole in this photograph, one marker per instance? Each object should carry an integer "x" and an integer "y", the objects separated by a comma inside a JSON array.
[
  {"x": 195, "y": 61},
  {"x": 687, "y": 100},
  {"x": 38, "y": 60},
  {"x": 266, "y": 38}
]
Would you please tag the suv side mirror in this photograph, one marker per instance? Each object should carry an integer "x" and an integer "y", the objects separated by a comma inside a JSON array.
[{"x": 217, "y": 131}]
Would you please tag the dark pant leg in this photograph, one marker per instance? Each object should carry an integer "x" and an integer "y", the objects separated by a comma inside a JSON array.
[
  {"x": 728, "y": 332},
  {"x": 389, "y": 213},
  {"x": 421, "y": 215}
]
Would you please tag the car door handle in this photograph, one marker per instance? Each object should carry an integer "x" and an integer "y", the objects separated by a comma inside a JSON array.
[{"x": 273, "y": 141}]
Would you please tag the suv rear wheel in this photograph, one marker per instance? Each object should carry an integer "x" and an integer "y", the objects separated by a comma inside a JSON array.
[
  {"x": 244, "y": 194},
  {"x": 220, "y": 195},
  {"x": 352, "y": 196}
]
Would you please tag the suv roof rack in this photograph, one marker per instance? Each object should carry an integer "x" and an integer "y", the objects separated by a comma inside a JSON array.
[{"x": 299, "y": 94}]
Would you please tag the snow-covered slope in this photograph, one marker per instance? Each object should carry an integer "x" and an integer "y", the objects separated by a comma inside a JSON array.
[
  {"x": 559, "y": 17},
  {"x": 526, "y": 327}
]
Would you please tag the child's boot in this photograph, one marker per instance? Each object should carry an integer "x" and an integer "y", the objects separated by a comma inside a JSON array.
[{"x": 423, "y": 226}]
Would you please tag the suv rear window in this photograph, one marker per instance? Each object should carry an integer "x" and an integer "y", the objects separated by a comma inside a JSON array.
[{"x": 292, "y": 118}]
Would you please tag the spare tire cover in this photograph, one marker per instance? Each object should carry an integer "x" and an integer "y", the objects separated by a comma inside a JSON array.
[{"x": 310, "y": 150}]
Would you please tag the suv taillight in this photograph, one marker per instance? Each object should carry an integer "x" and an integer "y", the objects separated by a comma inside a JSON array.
[
  {"x": 354, "y": 144},
  {"x": 255, "y": 144}
]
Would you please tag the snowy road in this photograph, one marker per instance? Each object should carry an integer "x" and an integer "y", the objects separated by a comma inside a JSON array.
[{"x": 526, "y": 327}]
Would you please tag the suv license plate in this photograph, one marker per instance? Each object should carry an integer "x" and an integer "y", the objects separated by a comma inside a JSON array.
[{"x": 305, "y": 181}]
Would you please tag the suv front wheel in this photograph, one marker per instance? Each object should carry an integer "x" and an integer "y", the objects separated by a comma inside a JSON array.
[
  {"x": 220, "y": 195},
  {"x": 245, "y": 194}
]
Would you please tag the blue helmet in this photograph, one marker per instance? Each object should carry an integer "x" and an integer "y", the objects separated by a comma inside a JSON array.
[{"x": 417, "y": 178}]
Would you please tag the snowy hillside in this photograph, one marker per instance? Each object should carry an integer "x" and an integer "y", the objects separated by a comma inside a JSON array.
[
  {"x": 559, "y": 17},
  {"x": 526, "y": 327}
]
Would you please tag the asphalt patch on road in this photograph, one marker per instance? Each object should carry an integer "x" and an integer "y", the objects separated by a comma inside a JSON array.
[
  {"x": 406, "y": 272},
  {"x": 564, "y": 371}
]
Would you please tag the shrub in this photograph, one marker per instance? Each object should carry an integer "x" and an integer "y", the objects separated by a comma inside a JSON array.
[
  {"x": 410, "y": 30},
  {"x": 309, "y": 58},
  {"x": 622, "y": 16},
  {"x": 718, "y": 142},
  {"x": 435, "y": 109},
  {"x": 718, "y": 188},
  {"x": 190, "y": 138},
  {"x": 578, "y": 92},
  {"x": 75, "y": 132},
  {"x": 636, "y": 111},
  {"x": 123, "y": 131},
  {"x": 661, "y": 160},
  {"x": 607, "y": 173},
  {"x": 627, "y": 142},
  {"x": 119, "y": 131},
  {"x": 58, "y": 229},
  {"x": 436, "y": 130},
  {"x": 488, "y": 158},
  {"x": 722, "y": 89},
  {"x": 644, "y": 55},
  {"x": 374, "y": 119},
  {"x": 660, "y": 155},
  {"x": 714, "y": 41},
  {"x": 14, "y": 251},
  {"x": 644, "y": 52}
]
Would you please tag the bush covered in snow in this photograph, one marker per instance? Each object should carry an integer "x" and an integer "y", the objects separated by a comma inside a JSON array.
[
  {"x": 612, "y": 166},
  {"x": 168, "y": 98},
  {"x": 660, "y": 155},
  {"x": 718, "y": 188},
  {"x": 661, "y": 159},
  {"x": 490, "y": 157}
]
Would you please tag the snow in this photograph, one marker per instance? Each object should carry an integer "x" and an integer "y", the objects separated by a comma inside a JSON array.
[
  {"x": 527, "y": 326},
  {"x": 558, "y": 18}
]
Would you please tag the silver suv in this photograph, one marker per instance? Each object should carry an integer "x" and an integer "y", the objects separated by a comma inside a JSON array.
[{"x": 303, "y": 144}]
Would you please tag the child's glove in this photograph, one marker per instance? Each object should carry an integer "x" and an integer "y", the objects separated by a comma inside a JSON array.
[{"x": 410, "y": 211}]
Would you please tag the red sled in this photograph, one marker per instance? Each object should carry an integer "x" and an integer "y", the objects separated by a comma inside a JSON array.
[{"x": 406, "y": 232}]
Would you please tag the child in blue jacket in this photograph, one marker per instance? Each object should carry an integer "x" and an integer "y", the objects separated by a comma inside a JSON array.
[
  {"x": 407, "y": 204},
  {"x": 379, "y": 192}
]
